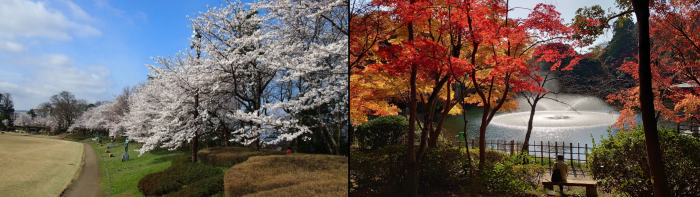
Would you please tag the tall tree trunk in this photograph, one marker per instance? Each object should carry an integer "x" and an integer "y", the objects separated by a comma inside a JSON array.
[
  {"x": 524, "y": 149},
  {"x": 296, "y": 144},
  {"x": 194, "y": 148},
  {"x": 338, "y": 128},
  {"x": 646, "y": 98},
  {"x": 446, "y": 107},
  {"x": 412, "y": 176},
  {"x": 337, "y": 145},
  {"x": 482, "y": 140},
  {"x": 327, "y": 140},
  {"x": 226, "y": 137},
  {"x": 196, "y": 134},
  {"x": 351, "y": 135}
]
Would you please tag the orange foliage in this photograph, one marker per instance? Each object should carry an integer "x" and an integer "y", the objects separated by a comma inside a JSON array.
[{"x": 675, "y": 59}]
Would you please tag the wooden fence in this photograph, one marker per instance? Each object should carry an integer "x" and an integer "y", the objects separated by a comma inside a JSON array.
[
  {"x": 690, "y": 128},
  {"x": 542, "y": 153}
]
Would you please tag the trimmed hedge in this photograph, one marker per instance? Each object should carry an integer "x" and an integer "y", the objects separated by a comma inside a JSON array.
[
  {"x": 230, "y": 156},
  {"x": 179, "y": 174},
  {"x": 289, "y": 175},
  {"x": 203, "y": 188},
  {"x": 380, "y": 132},
  {"x": 184, "y": 178},
  {"x": 182, "y": 159}
]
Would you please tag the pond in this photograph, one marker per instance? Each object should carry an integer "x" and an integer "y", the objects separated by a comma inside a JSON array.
[{"x": 580, "y": 121}]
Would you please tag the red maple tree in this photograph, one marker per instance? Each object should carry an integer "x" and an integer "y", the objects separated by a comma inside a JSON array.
[{"x": 436, "y": 46}]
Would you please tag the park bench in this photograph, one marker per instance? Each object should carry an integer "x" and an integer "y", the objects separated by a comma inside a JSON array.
[{"x": 590, "y": 185}]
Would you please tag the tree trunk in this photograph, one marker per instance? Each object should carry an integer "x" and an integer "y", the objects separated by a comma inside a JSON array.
[
  {"x": 226, "y": 137},
  {"x": 524, "y": 149},
  {"x": 482, "y": 142},
  {"x": 257, "y": 143},
  {"x": 327, "y": 141},
  {"x": 646, "y": 98},
  {"x": 296, "y": 144},
  {"x": 351, "y": 135},
  {"x": 338, "y": 145},
  {"x": 412, "y": 176},
  {"x": 194, "y": 148},
  {"x": 446, "y": 107},
  {"x": 196, "y": 135}
]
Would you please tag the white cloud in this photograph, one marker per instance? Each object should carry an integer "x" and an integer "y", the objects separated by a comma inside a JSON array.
[
  {"x": 25, "y": 18},
  {"x": 142, "y": 16},
  {"x": 77, "y": 12},
  {"x": 104, "y": 5},
  {"x": 128, "y": 17},
  {"x": 11, "y": 46},
  {"x": 55, "y": 60},
  {"x": 45, "y": 75},
  {"x": 99, "y": 70}
]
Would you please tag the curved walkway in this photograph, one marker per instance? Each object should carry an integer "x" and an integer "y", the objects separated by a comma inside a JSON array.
[{"x": 88, "y": 184}]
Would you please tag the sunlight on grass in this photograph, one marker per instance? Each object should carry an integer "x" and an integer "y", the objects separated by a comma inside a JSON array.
[{"x": 124, "y": 176}]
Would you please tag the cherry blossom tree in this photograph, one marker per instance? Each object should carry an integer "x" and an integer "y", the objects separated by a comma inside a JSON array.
[
  {"x": 161, "y": 113},
  {"x": 42, "y": 121},
  {"x": 232, "y": 84},
  {"x": 23, "y": 120},
  {"x": 232, "y": 41},
  {"x": 94, "y": 119},
  {"x": 309, "y": 43}
]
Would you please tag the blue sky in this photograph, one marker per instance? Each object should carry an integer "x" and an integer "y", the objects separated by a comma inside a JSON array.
[
  {"x": 91, "y": 48},
  {"x": 94, "y": 48}
]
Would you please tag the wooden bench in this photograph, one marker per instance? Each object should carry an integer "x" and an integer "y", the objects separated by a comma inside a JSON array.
[{"x": 590, "y": 185}]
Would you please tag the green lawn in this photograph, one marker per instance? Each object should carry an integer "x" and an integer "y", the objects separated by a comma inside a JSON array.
[{"x": 124, "y": 176}]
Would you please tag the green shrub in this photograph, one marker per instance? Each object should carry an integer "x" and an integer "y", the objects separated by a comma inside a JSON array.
[
  {"x": 182, "y": 159},
  {"x": 499, "y": 179},
  {"x": 502, "y": 175},
  {"x": 230, "y": 156},
  {"x": 492, "y": 156},
  {"x": 443, "y": 166},
  {"x": 385, "y": 168},
  {"x": 77, "y": 136},
  {"x": 157, "y": 184},
  {"x": 383, "y": 171},
  {"x": 179, "y": 174},
  {"x": 203, "y": 188},
  {"x": 382, "y": 131},
  {"x": 620, "y": 163},
  {"x": 531, "y": 173}
]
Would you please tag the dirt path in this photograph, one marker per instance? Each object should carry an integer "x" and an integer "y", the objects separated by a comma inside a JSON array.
[{"x": 88, "y": 184}]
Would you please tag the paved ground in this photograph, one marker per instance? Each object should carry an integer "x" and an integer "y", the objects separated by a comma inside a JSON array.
[{"x": 88, "y": 184}]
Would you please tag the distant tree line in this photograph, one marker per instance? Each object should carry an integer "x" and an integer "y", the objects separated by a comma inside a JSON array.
[
  {"x": 7, "y": 109},
  {"x": 56, "y": 115}
]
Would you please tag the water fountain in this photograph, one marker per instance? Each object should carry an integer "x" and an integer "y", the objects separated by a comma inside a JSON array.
[
  {"x": 574, "y": 122},
  {"x": 582, "y": 111}
]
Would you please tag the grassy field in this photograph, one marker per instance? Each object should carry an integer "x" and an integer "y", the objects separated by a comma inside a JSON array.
[
  {"x": 32, "y": 166},
  {"x": 122, "y": 178}
]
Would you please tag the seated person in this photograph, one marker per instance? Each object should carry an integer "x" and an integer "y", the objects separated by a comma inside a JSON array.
[{"x": 563, "y": 168}]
